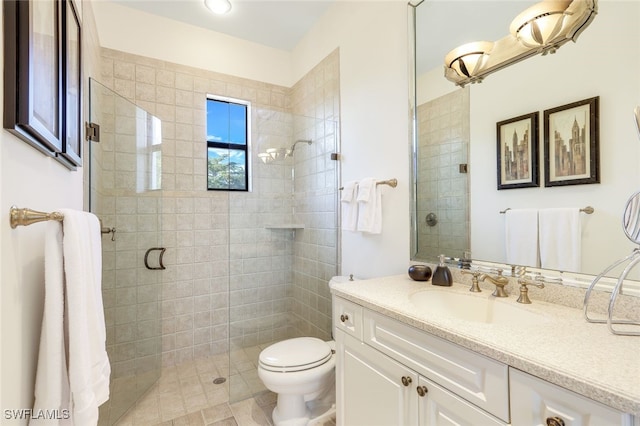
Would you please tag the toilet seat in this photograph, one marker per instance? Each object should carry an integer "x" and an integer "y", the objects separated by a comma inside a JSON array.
[{"x": 298, "y": 354}]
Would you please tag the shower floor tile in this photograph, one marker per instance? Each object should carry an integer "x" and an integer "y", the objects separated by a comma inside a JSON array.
[{"x": 186, "y": 395}]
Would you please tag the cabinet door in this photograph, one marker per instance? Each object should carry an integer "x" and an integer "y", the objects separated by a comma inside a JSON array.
[
  {"x": 533, "y": 401},
  {"x": 439, "y": 407},
  {"x": 370, "y": 389},
  {"x": 480, "y": 380}
]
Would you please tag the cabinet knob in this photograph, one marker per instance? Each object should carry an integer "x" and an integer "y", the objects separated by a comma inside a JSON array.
[
  {"x": 406, "y": 380},
  {"x": 555, "y": 421},
  {"x": 344, "y": 317},
  {"x": 422, "y": 390}
]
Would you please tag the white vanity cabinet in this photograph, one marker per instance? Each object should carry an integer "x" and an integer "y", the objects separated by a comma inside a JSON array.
[
  {"x": 374, "y": 389},
  {"x": 389, "y": 373},
  {"x": 537, "y": 402}
]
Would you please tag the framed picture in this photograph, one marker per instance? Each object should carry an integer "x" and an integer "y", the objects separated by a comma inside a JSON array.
[
  {"x": 42, "y": 76},
  {"x": 518, "y": 153},
  {"x": 571, "y": 145},
  {"x": 72, "y": 135}
]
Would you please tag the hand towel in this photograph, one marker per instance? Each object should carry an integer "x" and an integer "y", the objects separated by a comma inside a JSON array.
[
  {"x": 521, "y": 237},
  {"x": 349, "y": 206},
  {"x": 369, "y": 207},
  {"x": 52, "y": 382},
  {"x": 89, "y": 367},
  {"x": 560, "y": 239}
]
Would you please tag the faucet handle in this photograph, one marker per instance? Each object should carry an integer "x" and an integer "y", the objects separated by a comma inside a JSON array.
[
  {"x": 475, "y": 287},
  {"x": 524, "y": 291}
]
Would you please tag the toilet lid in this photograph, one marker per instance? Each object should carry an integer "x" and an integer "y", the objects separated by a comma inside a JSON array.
[{"x": 301, "y": 353}]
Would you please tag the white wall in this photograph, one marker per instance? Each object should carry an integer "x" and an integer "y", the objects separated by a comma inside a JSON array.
[
  {"x": 604, "y": 62},
  {"x": 133, "y": 31},
  {"x": 374, "y": 102}
]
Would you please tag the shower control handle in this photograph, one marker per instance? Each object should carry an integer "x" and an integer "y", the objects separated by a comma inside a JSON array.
[{"x": 344, "y": 317}]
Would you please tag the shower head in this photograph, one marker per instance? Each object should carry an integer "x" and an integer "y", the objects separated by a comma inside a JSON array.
[
  {"x": 272, "y": 154},
  {"x": 293, "y": 147}
]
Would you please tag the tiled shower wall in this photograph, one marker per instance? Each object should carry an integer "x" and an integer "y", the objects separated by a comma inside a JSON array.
[
  {"x": 218, "y": 248},
  {"x": 316, "y": 255},
  {"x": 443, "y": 142}
]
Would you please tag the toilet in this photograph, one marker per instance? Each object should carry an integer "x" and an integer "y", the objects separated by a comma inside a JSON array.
[{"x": 302, "y": 372}]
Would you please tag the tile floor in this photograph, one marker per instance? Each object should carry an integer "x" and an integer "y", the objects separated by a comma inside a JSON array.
[{"x": 186, "y": 395}]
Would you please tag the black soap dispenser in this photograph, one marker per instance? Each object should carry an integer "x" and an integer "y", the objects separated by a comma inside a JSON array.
[{"x": 442, "y": 274}]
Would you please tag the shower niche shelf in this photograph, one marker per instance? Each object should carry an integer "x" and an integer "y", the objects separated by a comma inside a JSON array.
[{"x": 286, "y": 226}]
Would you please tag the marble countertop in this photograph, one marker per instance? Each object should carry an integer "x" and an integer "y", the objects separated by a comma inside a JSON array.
[{"x": 563, "y": 348}]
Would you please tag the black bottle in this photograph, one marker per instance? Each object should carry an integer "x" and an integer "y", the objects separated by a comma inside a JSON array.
[{"x": 442, "y": 274}]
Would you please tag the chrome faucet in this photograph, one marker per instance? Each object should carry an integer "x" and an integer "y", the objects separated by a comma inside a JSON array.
[{"x": 500, "y": 281}]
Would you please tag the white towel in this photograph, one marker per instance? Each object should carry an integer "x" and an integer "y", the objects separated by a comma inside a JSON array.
[
  {"x": 560, "y": 239},
  {"x": 521, "y": 237},
  {"x": 349, "y": 206},
  {"x": 369, "y": 207},
  {"x": 89, "y": 367},
  {"x": 52, "y": 382},
  {"x": 87, "y": 371}
]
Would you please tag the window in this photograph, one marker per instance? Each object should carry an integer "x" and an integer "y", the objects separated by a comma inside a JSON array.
[{"x": 227, "y": 144}]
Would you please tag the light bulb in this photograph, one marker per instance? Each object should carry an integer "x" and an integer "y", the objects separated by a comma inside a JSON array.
[{"x": 219, "y": 7}]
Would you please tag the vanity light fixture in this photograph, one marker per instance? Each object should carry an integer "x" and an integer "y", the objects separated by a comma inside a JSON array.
[
  {"x": 467, "y": 60},
  {"x": 542, "y": 24},
  {"x": 219, "y": 7},
  {"x": 540, "y": 29}
]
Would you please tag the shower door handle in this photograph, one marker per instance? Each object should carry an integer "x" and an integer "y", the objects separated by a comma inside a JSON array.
[{"x": 146, "y": 258}]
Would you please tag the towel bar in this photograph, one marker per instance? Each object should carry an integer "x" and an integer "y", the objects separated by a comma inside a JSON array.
[
  {"x": 26, "y": 217},
  {"x": 587, "y": 210},
  {"x": 391, "y": 182}
]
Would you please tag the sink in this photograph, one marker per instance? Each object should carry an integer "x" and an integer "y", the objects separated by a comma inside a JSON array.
[{"x": 474, "y": 307}]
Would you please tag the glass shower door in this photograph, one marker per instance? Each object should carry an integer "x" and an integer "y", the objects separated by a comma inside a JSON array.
[{"x": 125, "y": 194}]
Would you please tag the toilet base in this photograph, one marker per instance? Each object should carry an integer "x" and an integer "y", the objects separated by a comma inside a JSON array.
[{"x": 314, "y": 415}]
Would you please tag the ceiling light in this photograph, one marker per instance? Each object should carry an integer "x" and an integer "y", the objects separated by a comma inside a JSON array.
[
  {"x": 467, "y": 60},
  {"x": 542, "y": 24},
  {"x": 219, "y": 7}
]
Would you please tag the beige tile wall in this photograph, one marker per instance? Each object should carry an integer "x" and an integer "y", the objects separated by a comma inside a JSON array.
[
  {"x": 316, "y": 256},
  {"x": 218, "y": 249},
  {"x": 442, "y": 146}
]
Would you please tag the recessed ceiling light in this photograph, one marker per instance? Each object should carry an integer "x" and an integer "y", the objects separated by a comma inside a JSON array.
[{"x": 219, "y": 7}]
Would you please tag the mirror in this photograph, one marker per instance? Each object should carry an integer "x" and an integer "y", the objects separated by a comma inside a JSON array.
[{"x": 455, "y": 158}]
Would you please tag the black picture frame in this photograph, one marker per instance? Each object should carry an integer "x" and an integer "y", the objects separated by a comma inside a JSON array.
[
  {"x": 72, "y": 72},
  {"x": 42, "y": 76},
  {"x": 518, "y": 152},
  {"x": 571, "y": 143}
]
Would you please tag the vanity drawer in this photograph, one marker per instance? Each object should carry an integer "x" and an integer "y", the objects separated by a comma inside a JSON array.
[
  {"x": 533, "y": 401},
  {"x": 347, "y": 316},
  {"x": 480, "y": 380}
]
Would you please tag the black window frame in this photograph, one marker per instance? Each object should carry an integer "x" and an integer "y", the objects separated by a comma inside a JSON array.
[{"x": 232, "y": 146}]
